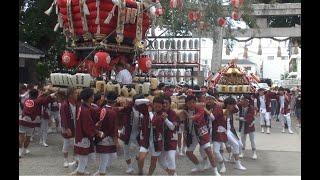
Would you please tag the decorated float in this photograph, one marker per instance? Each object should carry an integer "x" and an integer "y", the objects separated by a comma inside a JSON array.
[
  {"x": 101, "y": 33},
  {"x": 233, "y": 79}
]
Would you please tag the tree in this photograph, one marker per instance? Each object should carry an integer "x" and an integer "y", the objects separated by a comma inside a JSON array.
[
  {"x": 178, "y": 23},
  {"x": 36, "y": 29}
]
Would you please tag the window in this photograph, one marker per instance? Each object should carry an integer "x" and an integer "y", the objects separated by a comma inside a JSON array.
[
  {"x": 270, "y": 58},
  {"x": 248, "y": 68},
  {"x": 284, "y": 57},
  {"x": 205, "y": 62}
]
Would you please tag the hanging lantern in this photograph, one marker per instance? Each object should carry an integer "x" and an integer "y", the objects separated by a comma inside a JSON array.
[
  {"x": 203, "y": 25},
  {"x": 227, "y": 51},
  {"x": 184, "y": 44},
  {"x": 235, "y": 15},
  {"x": 296, "y": 48},
  {"x": 279, "y": 51},
  {"x": 222, "y": 22},
  {"x": 190, "y": 44},
  {"x": 159, "y": 12},
  {"x": 196, "y": 44},
  {"x": 194, "y": 16},
  {"x": 179, "y": 44},
  {"x": 102, "y": 60},
  {"x": 156, "y": 44},
  {"x": 175, "y": 4},
  {"x": 260, "y": 49},
  {"x": 69, "y": 59},
  {"x": 145, "y": 63},
  {"x": 237, "y": 3},
  {"x": 245, "y": 53}
]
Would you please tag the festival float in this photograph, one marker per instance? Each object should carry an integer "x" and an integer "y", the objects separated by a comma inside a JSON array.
[
  {"x": 233, "y": 80},
  {"x": 101, "y": 33}
]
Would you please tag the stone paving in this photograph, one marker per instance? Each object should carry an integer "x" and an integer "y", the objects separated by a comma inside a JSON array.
[{"x": 278, "y": 154}]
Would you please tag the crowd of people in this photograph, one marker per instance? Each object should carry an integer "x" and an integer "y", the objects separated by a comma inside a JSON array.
[{"x": 94, "y": 124}]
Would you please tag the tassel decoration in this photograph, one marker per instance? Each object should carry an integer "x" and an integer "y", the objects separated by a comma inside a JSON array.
[
  {"x": 56, "y": 27},
  {"x": 227, "y": 51},
  {"x": 98, "y": 12},
  {"x": 296, "y": 48},
  {"x": 85, "y": 8},
  {"x": 110, "y": 15},
  {"x": 245, "y": 54},
  {"x": 279, "y": 51},
  {"x": 48, "y": 12},
  {"x": 259, "y": 48}
]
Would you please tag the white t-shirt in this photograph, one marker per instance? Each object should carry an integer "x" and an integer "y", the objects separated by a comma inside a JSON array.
[
  {"x": 262, "y": 103},
  {"x": 124, "y": 77},
  {"x": 135, "y": 124},
  {"x": 73, "y": 111},
  {"x": 228, "y": 124},
  {"x": 281, "y": 99}
]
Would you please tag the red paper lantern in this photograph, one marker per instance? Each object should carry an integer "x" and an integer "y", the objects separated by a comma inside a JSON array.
[
  {"x": 145, "y": 63},
  {"x": 222, "y": 22},
  {"x": 203, "y": 25},
  {"x": 69, "y": 59},
  {"x": 194, "y": 16},
  {"x": 159, "y": 12},
  {"x": 176, "y": 4},
  {"x": 237, "y": 3},
  {"x": 235, "y": 15},
  {"x": 102, "y": 60}
]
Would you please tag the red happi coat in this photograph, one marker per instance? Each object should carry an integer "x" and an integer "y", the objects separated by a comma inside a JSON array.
[
  {"x": 126, "y": 124},
  {"x": 109, "y": 127},
  {"x": 267, "y": 101},
  {"x": 286, "y": 103},
  {"x": 170, "y": 137},
  {"x": 85, "y": 130},
  {"x": 45, "y": 112},
  {"x": 95, "y": 112},
  {"x": 232, "y": 129},
  {"x": 219, "y": 120},
  {"x": 249, "y": 117},
  {"x": 157, "y": 124},
  {"x": 67, "y": 119},
  {"x": 54, "y": 106},
  {"x": 200, "y": 127},
  {"x": 31, "y": 113}
]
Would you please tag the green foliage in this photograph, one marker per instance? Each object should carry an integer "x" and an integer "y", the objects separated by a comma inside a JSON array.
[
  {"x": 36, "y": 28},
  {"x": 43, "y": 71},
  {"x": 178, "y": 24}
]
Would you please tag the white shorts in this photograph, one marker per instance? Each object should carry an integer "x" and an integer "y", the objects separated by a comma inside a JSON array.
[
  {"x": 181, "y": 128},
  {"x": 194, "y": 144},
  {"x": 27, "y": 130},
  {"x": 67, "y": 145},
  {"x": 151, "y": 150},
  {"x": 167, "y": 159}
]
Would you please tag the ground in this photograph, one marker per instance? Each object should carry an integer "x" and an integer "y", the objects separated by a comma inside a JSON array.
[{"x": 278, "y": 154}]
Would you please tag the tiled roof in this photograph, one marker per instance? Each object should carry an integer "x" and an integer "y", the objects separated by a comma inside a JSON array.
[{"x": 24, "y": 48}]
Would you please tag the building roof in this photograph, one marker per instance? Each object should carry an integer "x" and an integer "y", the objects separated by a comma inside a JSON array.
[
  {"x": 240, "y": 61},
  {"x": 24, "y": 48},
  {"x": 27, "y": 51}
]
